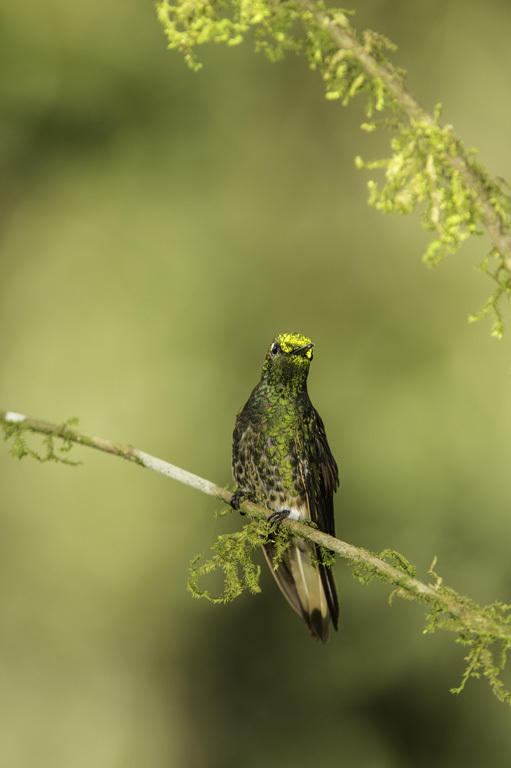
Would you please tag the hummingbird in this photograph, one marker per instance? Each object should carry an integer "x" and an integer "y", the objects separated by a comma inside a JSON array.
[{"x": 281, "y": 459}]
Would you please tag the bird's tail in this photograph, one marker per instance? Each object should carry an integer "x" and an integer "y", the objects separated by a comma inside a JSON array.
[{"x": 309, "y": 590}]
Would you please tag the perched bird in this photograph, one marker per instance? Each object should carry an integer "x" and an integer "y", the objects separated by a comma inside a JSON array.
[{"x": 281, "y": 459}]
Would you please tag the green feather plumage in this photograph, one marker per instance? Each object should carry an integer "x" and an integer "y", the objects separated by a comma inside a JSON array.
[{"x": 281, "y": 456}]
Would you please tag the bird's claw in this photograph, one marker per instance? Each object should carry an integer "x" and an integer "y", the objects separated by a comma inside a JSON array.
[
  {"x": 238, "y": 497},
  {"x": 276, "y": 518}
]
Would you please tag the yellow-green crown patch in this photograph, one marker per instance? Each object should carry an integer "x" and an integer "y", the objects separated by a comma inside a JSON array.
[{"x": 290, "y": 341}]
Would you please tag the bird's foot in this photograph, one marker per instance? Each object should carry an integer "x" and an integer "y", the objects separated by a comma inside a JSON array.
[
  {"x": 240, "y": 496},
  {"x": 275, "y": 520}
]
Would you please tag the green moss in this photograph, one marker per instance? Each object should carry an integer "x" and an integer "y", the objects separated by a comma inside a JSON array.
[
  {"x": 484, "y": 630},
  {"x": 233, "y": 559},
  {"x": 55, "y": 448},
  {"x": 420, "y": 172}
]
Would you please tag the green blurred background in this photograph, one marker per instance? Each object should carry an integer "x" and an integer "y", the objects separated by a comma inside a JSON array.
[{"x": 157, "y": 228}]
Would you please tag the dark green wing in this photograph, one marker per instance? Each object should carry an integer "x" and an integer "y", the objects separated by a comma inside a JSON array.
[
  {"x": 320, "y": 477},
  {"x": 318, "y": 469}
]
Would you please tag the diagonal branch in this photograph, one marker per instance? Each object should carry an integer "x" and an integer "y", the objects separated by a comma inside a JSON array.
[
  {"x": 476, "y": 627},
  {"x": 358, "y": 555}
]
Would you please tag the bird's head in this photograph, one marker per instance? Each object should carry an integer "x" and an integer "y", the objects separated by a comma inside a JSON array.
[{"x": 288, "y": 359}]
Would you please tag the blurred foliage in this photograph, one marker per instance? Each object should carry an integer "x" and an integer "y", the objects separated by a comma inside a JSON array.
[
  {"x": 428, "y": 165},
  {"x": 158, "y": 227}
]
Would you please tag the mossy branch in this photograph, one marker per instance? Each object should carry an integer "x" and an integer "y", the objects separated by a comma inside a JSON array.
[
  {"x": 486, "y": 630},
  {"x": 428, "y": 166}
]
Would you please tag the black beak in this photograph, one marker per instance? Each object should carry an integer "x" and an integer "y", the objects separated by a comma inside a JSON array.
[{"x": 302, "y": 351}]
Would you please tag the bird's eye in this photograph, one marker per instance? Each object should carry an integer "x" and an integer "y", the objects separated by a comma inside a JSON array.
[{"x": 275, "y": 349}]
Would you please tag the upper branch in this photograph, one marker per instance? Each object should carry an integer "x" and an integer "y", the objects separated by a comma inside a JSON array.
[
  {"x": 428, "y": 166},
  {"x": 474, "y": 177}
]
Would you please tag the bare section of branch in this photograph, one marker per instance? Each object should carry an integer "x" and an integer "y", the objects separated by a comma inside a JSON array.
[{"x": 67, "y": 433}]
